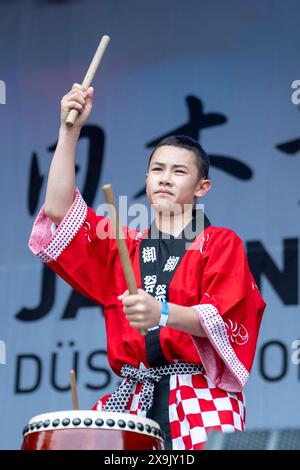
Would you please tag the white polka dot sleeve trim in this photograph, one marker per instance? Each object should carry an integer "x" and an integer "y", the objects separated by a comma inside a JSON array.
[
  {"x": 217, "y": 342},
  {"x": 48, "y": 243}
]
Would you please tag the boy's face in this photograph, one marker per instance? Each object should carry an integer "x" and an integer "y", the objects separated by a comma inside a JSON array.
[{"x": 172, "y": 179}]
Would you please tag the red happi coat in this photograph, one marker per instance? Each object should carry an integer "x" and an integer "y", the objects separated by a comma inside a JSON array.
[{"x": 213, "y": 277}]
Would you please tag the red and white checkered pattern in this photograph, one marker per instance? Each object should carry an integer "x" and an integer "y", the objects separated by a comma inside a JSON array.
[{"x": 196, "y": 407}]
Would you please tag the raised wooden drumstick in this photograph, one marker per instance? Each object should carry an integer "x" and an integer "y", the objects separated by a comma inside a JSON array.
[
  {"x": 74, "y": 390},
  {"x": 90, "y": 75},
  {"x": 122, "y": 247}
]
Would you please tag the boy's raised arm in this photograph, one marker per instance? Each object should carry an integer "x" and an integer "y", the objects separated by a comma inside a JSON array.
[{"x": 61, "y": 178}]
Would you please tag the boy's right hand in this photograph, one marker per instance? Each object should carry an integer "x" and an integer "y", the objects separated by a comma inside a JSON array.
[{"x": 80, "y": 99}]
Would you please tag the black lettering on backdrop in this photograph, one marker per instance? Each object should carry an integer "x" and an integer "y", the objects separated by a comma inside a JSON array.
[
  {"x": 74, "y": 304},
  {"x": 35, "y": 185},
  {"x": 54, "y": 367},
  {"x": 30, "y": 368},
  {"x": 20, "y": 387},
  {"x": 285, "y": 281},
  {"x": 283, "y": 361},
  {"x": 46, "y": 300},
  {"x": 96, "y": 368}
]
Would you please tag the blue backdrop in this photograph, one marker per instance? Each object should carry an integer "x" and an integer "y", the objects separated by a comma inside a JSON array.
[{"x": 218, "y": 71}]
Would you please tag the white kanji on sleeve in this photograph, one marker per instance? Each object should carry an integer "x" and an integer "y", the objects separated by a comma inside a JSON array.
[
  {"x": 171, "y": 263},
  {"x": 150, "y": 282},
  {"x": 149, "y": 254},
  {"x": 161, "y": 292}
]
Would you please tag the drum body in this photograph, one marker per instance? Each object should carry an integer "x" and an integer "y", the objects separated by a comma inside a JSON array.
[{"x": 91, "y": 430}]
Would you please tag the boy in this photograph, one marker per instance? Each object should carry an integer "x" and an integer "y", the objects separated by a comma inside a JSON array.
[{"x": 196, "y": 295}]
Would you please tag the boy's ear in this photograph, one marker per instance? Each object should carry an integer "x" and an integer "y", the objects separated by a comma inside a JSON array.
[
  {"x": 203, "y": 187},
  {"x": 146, "y": 177}
]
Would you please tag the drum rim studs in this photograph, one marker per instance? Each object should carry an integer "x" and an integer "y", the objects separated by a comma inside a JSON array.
[
  {"x": 121, "y": 423},
  {"x": 76, "y": 421},
  {"x": 110, "y": 422},
  {"x": 99, "y": 422},
  {"x": 92, "y": 420},
  {"x": 66, "y": 422},
  {"x": 88, "y": 421}
]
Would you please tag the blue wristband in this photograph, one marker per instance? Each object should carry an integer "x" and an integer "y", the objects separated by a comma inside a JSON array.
[{"x": 164, "y": 314}]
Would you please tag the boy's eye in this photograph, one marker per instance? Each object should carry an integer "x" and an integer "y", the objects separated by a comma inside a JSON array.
[{"x": 157, "y": 168}]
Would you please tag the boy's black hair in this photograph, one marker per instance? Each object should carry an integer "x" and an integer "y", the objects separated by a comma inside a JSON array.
[{"x": 183, "y": 141}]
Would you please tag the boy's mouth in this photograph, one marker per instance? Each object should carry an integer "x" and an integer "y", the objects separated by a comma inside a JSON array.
[{"x": 164, "y": 191}]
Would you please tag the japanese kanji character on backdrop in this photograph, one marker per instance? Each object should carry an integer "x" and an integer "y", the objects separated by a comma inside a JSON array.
[{"x": 196, "y": 295}]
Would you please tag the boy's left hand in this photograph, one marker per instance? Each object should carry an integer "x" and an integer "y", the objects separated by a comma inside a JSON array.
[{"x": 142, "y": 310}]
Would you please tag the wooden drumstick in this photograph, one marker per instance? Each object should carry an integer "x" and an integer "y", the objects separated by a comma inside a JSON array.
[
  {"x": 90, "y": 75},
  {"x": 74, "y": 390},
  {"x": 122, "y": 247}
]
